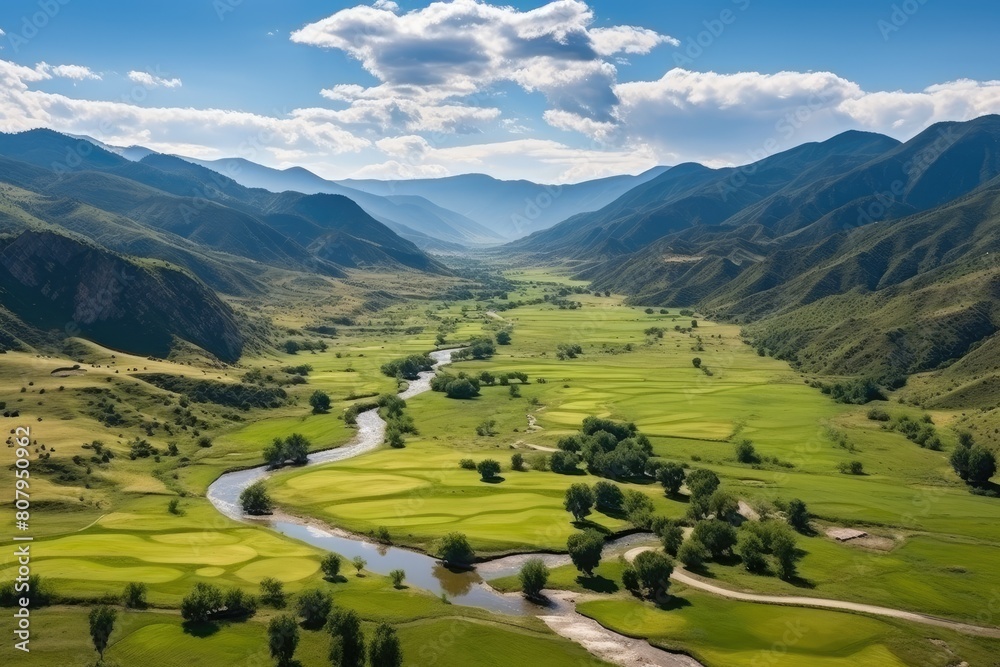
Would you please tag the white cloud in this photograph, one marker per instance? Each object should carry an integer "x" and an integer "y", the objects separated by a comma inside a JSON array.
[
  {"x": 152, "y": 81},
  {"x": 75, "y": 72},
  {"x": 459, "y": 49}
]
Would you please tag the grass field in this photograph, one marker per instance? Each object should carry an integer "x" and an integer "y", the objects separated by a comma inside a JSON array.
[{"x": 98, "y": 526}]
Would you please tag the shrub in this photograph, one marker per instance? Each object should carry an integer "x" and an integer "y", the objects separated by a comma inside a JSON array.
[
  {"x": 255, "y": 500},
  {"x": 517, "y": 461},
  {"x": 134, "y": 595},
  {"x": 454, "y": 548},
  {"x": 320, "y": 402},
  {"x": 397, "y": 577},
  {"x": 746, "y": 452},
  {"x": 878, "y": 415},
  {"x": 692, "y": 554},
  {"x": 534, "y": 575},
  {"x": 313, "y": 606},
  {"x": 408, "y": 368},
  {"x": 272, "y": 592},
  {"x": 330, "y": 565},
  {"x": 563, "y": 463},
  {"x": 467, "y": 464},
  {"x": 488, "y": 469},
  {"x": 851, "y": 467}
]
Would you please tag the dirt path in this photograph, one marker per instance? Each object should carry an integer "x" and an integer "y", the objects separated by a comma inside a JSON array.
[
  {"x": 822, "y": 603},
  {"x": 605, "y": 644}
]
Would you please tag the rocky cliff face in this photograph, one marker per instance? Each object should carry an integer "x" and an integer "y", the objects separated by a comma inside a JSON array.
[{"x": 52, "y": 282}]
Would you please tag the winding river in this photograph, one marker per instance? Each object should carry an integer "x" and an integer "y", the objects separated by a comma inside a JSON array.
[{"x": 465, "y": 587}]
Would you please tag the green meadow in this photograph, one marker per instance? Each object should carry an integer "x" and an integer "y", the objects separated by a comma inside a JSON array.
[{"x": 100, "y": 525}]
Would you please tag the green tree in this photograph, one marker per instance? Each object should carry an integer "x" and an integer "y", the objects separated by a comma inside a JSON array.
[
  {"x": 696, "y": 362},
  {"x": 385, "y": 649},
  {"x": 746, "y": 452},
  {"x": 272, "y": 592},
  {"x": 724, "y": 506},
  {"x": 671, "y": 477},
  {"x": 692, "y": 554},
  {"x": 578, "y": 501},
  {"x": 960, "y": 462},
  {"x": 320, "y": 402},
  {"x": 274, "y": 454},
  {"x": 330, "y": 565},
  {"x": 702, "y": 483},
  {"x": 102, "y": 624},
  {"x": 397, "y": 577},
  {"x": 282, "y": 638},
  {"x": 798, "y": 515},
  {"x": 134, "y": 595},
  {"x": 585, "y": 549},
  {"x": 359, "y": 564},
  {"x": 488, "y": 469},
  {"x": 462, "y": 388},
  {"x": 717, "y": 536},
  {"x": 608, "y": 497},
  {"x": 564, "y": 463},
  {"x": 786, "y": 554},
  {"x": 654, "y": 570},
  {"x": 347, "y": 638},
  {"x": 630, "y": 579},
  {"x": 534, "y": 575},
  {"x": 455, "y": 549},
  {"x": 297, "y": 448},
  {"x": 672, "y": 536},
  {"x": 503, "y": 338},
  {"x": 255, "y": 500},
  {"x": 750, "y": 548},
  {"x": 313, "y": 606},
  {"x": 982, "y": 465},
  {"x": 517, "y": 461},
  {"x": 201, "y": 603}
]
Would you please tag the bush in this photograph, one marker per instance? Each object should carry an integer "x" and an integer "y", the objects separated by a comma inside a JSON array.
[
  {"x": 134, "y": 596},
  {"x": 201, "y": 603},
  {"x": 692, "y": 554},
  {"x": 654, "y": 569},
  {"x": 517, "y": 461},
  {"x": 539, "y": 462},
  {"x": 746, "y": 452},
  {"x": 878, "y": 415},
  {"x": 585, "y": 549},
  {"x": 534, "y": 575},
  {"x": 503, "y": 338},
  {"x": 578, "y": 501},
  {"x": 454, "y": 548},
  {"x": 467, "y": 464},
  {"x": 272, "y": 592},
  {"x": 696, "y": 362},
  {"x": 630, "y": 579},
  {"x": 330, "y": 565},
  {"x": 564, "y": 463},
  {"x": 798, "y": 515},
  {"x": 851, "y": 467},
  {"x": 314, "y": 606},
  {"x": 320, "y": 402},
  {"x": 608, "y": 496},
  {"x": 488, "y": 469},
  {"x": 397, "y": 577},
  {"x": 671, "y": 536},
  {"x": 408, "y": 368},
  {"x": 671, "y": 477},
  {"x": 982, "y": 465},
  {"x": 282, "y": 638},
  {"x": 717, "y": 536},
  {"x": 255, "y": 500}
]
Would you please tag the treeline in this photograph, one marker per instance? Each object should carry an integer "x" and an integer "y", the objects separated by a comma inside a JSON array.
[{"x": 235, "y": 395}]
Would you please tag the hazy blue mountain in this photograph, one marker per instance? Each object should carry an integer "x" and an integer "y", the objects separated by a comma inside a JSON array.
[{"x": 510, "y": 208}]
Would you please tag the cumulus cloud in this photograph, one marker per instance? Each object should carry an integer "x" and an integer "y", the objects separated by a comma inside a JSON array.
[
  {"x": 153, "y": 81},
  {"x": 459, "y": 49}
]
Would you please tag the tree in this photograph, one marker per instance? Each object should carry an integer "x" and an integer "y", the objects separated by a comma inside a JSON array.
[
  {"x": 982, "y": 465},
  {"x": 330, "y": 565},
  {"x": 359, "y": 564},
  {"x": 320, "y": 402},
  {"x": 960, "y": 462},
  {"x": 798, "y": 515},
  {"x": 462, "y": 388},
  {"x": 786, "y": 553},
  {"x": 313, "y": 606},
  {"x": 238, "y": 604},
  {"x": 717, "y": 536},
  {"x": 487, "y": 378},
  {"x": 534, "y": 575},
  {"x": 385, "y": 649},
  {"x": 274, "y": 454},
  {"x": 282, "y": 638},
  {"x": 487, "y": 428},
  {"x": 724, "y": 506},
  {"x": 514, "y": 391},
  {"x": 201, "y": 603},
  {"x": 702, "y": 483},
  {"x": 746, "y": 452},
  {"x": 691, "y": 554},
  {"x": 750, "y": 548},
  {"x": 852, "y": 467},
  {"x": 696, "y": 362},
  {"x": 638, "y": 508},
  {"x": 585, "y": 549},
  {"x": 408, "y": 368},
  {"x": 517, "y": 461},
  {"x": 672, "y": 536},
  {"x": 255, "y": 500},
  {"x": 671, "y": 477},
  {"x": 563, "y": 463},
  {"x": 134, "y": 595},
  {"x": 272, "y": 592},
  {"x": 348, "y": 640},
  {"x": 608, "y": 496},
  {"x": 503, "y": 338},
  {"x": 102, "y": 624},
  {"x": 630, "y": 579},
  {"x": 488, "y": 469},
  {"x": 394, "y": 437},
  {"x": 455, "y": 549},
  {"x": 297, "y": 448},
  {"x": 578, "y": 501},
  {"x": 654, "y": 570},
  {"x": 397, "y": 577}
]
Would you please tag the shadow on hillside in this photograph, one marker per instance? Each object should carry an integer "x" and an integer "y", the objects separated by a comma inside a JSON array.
[
  {"x": 201, "y": 630},
  {"x": 597, "y": 584}
]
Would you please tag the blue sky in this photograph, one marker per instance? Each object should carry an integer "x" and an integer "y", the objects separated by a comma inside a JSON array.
[{"x": 577, "y": 89}]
